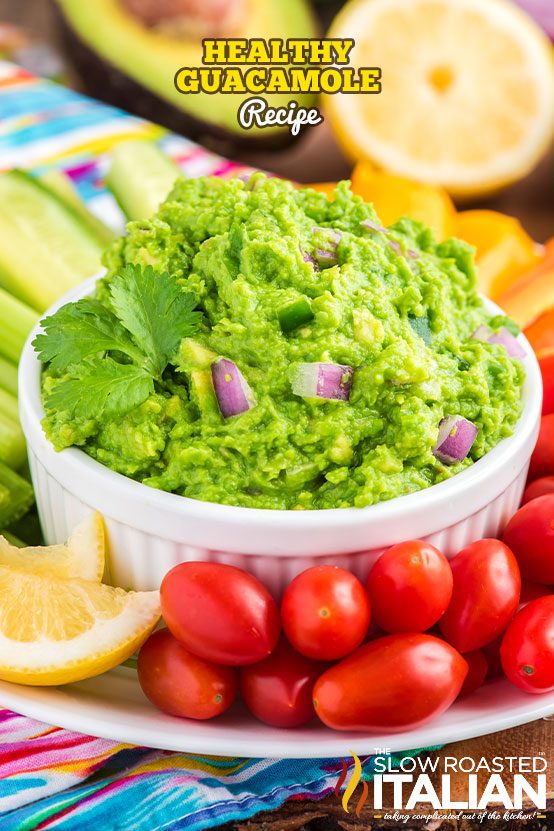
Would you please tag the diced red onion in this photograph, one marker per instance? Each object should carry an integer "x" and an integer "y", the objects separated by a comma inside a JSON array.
[
  {"x": 336, "y": 234},
  {"x": 233, "y": 394},
  {"x": 482, "y": 333},
  {"x": 373, "y": 226},
  {"x": 309, "y": 259},
  {"x": 323, "y": 380},
  {"x": 396, "y": 247},
  {"x": 502, "y": 337},
  {"x": 542, "y": 11},
  {"x": 324, "y": 257},
  {"x": 327, "y": 256},
  {"x": 509, "y": 342},
  {"x": 455, "y": 440}
]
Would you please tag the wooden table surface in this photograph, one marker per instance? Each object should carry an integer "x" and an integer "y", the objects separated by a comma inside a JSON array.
[{"x": 317, "y": 158}]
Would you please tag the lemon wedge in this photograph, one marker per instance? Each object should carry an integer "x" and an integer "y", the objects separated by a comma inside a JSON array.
[
  {"x": 55, "y": 631},
  {"x": 467, "y": 96},
  {"x": 83, "y": 555}
]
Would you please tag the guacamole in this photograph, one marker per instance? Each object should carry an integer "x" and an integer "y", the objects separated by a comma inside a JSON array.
[{"x": 287, "y": 278}]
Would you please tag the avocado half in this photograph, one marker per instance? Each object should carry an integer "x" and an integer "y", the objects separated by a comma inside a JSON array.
[{"x": 131, "y": 64}]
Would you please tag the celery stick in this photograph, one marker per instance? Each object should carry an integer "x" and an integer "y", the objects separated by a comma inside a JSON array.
[
  {"x": 13, "y": 540},
  {"x": 8, "y": 376},
  {"x": 12, "y": 442},
  {"x": 140, "y": 177},
  {"x": 45, "y": 248},
  {"x": 16, "y": 321},
  {"x": 27, "y": 528},
  {"x": 16, "y": 496},
  {"x": 60, "y": 184},
  {"x": 8, "y": 406}
]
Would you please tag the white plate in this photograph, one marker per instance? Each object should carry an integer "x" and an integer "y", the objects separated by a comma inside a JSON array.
[{"x": 112, "y": 706}]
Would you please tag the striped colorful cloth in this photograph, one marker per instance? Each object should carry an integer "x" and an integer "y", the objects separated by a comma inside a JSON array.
[
  {"x": 45, "y": 125},
  {"x": 54, "y": 778}
]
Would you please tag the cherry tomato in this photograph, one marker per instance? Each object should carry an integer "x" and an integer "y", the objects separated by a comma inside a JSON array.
[
  {"x": 487, "y": 585},
  {"x": 542, "y": 460},
  {"x": 409, "y": 587},
  {"x": 179, "y": 683},
  {"x": 530, "y": 535},
  {"x": 478, "y": 670},
  {"x": 395, "y": 683},
  {"x": 532, "y": 591},
  {"x": 546, "y": 364},
  {"x": 278, "y": 690},
  {"x": 540, "y": 487},
  {"x": 491, "y": 651},
  {"x": 220, "y": 613},
  {"x": 527, "y": 650},
  {"x": 325, "y": 613}
]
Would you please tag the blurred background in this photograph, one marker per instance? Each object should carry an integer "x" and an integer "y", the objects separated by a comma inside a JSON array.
[{"x": 49, "y": 40}]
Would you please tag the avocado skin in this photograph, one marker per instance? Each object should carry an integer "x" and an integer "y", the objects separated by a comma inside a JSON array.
[{"x": 100, "y": 79}]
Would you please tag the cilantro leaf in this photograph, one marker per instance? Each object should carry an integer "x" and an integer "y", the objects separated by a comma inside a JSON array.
[
  {"x": 156, "y": 311},
  {"x": 99, "y": 387},
  {"x": 421, "y": 327},
  {"x": 79, "y": 330}
]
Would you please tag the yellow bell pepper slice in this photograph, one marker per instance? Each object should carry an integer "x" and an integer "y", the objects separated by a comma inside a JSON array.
[
  {"x": 393, "y": 197},
  {"x": 504, "y": 250}
]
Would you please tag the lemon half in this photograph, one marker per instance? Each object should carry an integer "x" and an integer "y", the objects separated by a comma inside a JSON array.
[
  {"x": 467, "y": 97},
  {"x": 54, "y": 631},
  {"x": 83, "y": 555}
]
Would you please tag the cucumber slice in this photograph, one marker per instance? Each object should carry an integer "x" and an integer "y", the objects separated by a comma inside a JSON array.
[
  {"x": 8, "y": 375},
  {"x": 45, "y": 248},
  {"x": 16, "y": 321},
  {"x": 16, "y": 496},
  {"x": 61, "y": 185},
  {"x": 140, "y": 177}
]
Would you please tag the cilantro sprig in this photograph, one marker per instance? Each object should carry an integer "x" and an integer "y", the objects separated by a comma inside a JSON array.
[{"x": 111, "y": 358}]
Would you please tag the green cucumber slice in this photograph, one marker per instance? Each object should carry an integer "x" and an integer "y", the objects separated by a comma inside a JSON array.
[
  {"x": 61, "y": 185},
  {"x": 45, "y": 248},
  {"x": 140, "y": 177}
]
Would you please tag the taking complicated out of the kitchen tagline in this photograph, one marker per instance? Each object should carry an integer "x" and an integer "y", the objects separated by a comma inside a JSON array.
[{"x": 257, "y": 67}]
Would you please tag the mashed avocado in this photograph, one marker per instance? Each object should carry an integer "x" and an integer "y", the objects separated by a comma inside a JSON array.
[{"x": 396, "y": 306}]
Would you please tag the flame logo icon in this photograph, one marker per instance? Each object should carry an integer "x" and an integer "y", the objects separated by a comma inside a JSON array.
[{"x": 351, "y": 786}]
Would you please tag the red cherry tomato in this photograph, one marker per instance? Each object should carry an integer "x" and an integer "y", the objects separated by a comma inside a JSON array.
[
  {"x": 478, "y": 670},
  {"x": 542, "y": 460},
  {"x": 220, "y": 613},
  {"x": 325, "y": 613},
  {"x": 487, "y": 586},
  {"x": 409, "y": 587},
  {"x": 546, "y": 364},
  {"x": 540, "y": 487},
  {"x": 395, "y": 683},
  {"x": 530, "y": 535},
  {"x": 492, "y": 654},
  {"x": 179, "y": 683},
  {"x": 278, "y": 690},
  {"x": 532, "y": 591},
  {"x": 527, "y": 650}
]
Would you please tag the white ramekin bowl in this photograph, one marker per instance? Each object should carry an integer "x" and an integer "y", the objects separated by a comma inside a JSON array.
[{"x": 150, "y": 531}]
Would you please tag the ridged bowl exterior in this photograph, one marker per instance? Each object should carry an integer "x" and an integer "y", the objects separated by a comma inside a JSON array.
[
  {"x": 139, "y": 560},
  {"x": 150, "y": 531}
]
